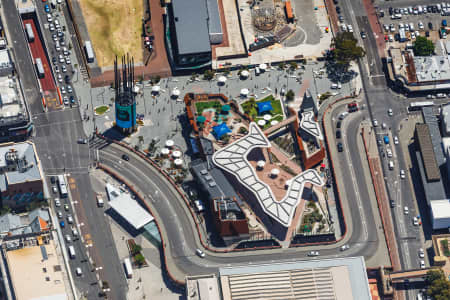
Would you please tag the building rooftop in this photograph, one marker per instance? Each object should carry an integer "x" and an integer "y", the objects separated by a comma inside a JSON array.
[
  {"x": 229, "y": 209},
  {"x": 309, "y": 125},
  {"x": 204, "y": 287},
  {"x": 18, "y": 163},
  {"x": 36, "y": 273},
  {"x": 12, "y": 105},
  {"x": 233, "y": 159},
  {"x": 338, "y": 278},
  {"x": 445, "y": 116},
  {"x": 428, "y": 156},
  {"x": 128, "y": 208},
  {"x": 5, "y": 61},
  {"x": 440, "y": 209},
  {"x": 35, "y": 221},
  {"x": 214, "y": 24},
  {"x": 432, "y": 68},
  {"x": 190, "y": 18}
]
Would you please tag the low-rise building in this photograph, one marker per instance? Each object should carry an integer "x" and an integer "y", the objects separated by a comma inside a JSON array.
[
  {"x": 34, "y": 222},
  {"x": 338, "y": 279},
  {"x": 21, "y": 176}
]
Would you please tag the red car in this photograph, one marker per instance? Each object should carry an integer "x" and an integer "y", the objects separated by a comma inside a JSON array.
[
  {"x": 352, "y": 107},
  {"x": 386, "y": 38}
]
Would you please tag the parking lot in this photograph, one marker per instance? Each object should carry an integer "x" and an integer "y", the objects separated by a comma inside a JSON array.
[
  {"x": 59, "y": 48},
  {"x": 423, "y": 23}
]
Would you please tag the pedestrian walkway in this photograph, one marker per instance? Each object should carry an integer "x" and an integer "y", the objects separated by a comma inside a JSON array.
[{"x": 376, "y": 171}]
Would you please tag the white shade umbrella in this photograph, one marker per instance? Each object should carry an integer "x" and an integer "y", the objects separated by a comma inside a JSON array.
[
  {"x": 136, "y": 89},
  {"x": 261, "y": 164},
  {"x": 245, "y": 92},
  {"x": 156, "y": 89},
  {"x": 261, "y": 123},
  {"x": 169, "y": 143},
  {"x": 274, "y": 122},
  {"x": 176, "y": 154},
  {"x": 267, "y": 117},
  {"x": 175, "y": 92},
  {"x": 165, "y": 151},
  {"x": 245, "y": 73},
  {"x": 178, "y": 162},
  {"x": 275, "y": 172},
  {"x": 263, "y": 67},
  {"x": 222, "y": 79}
]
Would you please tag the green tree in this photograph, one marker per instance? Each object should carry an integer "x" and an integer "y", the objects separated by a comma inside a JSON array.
[
  {"x": 293, "y": 66},
  {"x": 208, "y": 75},
  {"x": 423, "y": 46},
  {"x": 290, "y": 95},
  {"x": 346, "y": 49},
  {"x": 282, "y": 65},
  {"x": 438, "y": 285},
  {"x": 135, "y": 249}
]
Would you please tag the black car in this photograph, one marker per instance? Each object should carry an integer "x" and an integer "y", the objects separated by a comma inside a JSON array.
[
  {"x": 67, "y": 79},
  {"x": 363, "y": 35},
  {"x": 392, "y": 203},
  {"x": 125, "y": 157},
  {"x": 338, "y": 134},
  {"x": 338, "y": 9},
  {"x": 430, "y": 25},
  {"x": 340, "y": 147},
  {"x": 427, "y": 33},
  {"x": 72, "y": 100},
  {"x": 53, "y": 179},
  {"x": 54, "y": 60},
  {"x": 391, "y": 11},
  {"x": 338, "y": 124},
  {"x": 335, "y": 1}
]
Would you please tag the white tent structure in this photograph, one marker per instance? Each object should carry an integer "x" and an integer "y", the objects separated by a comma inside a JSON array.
[
  {"x": 176, "y": 154},
  {"x": 261, "y": 123},
  {"x": 169, "y": 143},
  {"x": 263, "y": 67},
  {"x": 245, "y": 92},
  {"x": 245, "y": 74},
  {"x": 156, "y": 89},
  {"x": 175, "y": 92},
  {"x": 222, "y": 79}
]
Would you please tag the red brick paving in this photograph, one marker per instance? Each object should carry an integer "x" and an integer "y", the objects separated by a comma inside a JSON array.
[
  {"x": 376, "y": 27},
  {"x": 225, "y": 42}
]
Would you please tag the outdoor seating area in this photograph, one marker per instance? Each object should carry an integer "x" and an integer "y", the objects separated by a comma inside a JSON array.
[{"x": 266, "y": 112}]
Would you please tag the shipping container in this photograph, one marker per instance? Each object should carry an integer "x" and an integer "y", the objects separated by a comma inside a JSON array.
[
  {"x": 40, "y": 68},
  {"x": 30, "y": 33},
  {"x": 89, "y": 52}
]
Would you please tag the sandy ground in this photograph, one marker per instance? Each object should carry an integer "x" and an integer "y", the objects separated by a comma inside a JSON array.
[{"x": 115, "y": 28}]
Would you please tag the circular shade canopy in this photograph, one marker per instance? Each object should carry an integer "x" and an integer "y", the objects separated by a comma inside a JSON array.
[
  {"x": 222, "y": 79},
  {"x": 164, "y": 151},
  {"x": 267, "y": 117},
  {"x": 244, "y": 92},
  {"x": 245, "y": 73},
  {"x": 136, "y": 89},
  {"x": 201, "y": 119},
  {"x": 169, "y": 143},
  {"x": 261, "y": 122},
  {"x": 176, "y": 154},
  {"x": 156, "y": 89},
  {"x": 263, "y": 66},
  {"x": 260, "y": 163},
  {"x": 176, "y": 92},
  {"x": 275, "y": 172},
  {"x": 178, "y": 162},
  {"x": 274, "y": 122}
]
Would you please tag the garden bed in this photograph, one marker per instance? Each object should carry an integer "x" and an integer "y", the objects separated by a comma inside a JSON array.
[
  {"x": 100, "y": 110},
  {"x": 250, "y": 107},
  {"x": 201, "y": 106}
]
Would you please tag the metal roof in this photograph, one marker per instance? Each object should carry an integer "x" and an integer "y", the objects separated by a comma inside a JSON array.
[
  {"x": 434, "y": 190},
  {"x": 214, "y": 24},
  {"x": 426, "y": 148},
  {"x": 190, "y": 18},
  {"x": 337, "y": 278},
  {"x": 233, "y": 159},
  {"x": 308, "y": 124},
  {"x": 128, "y": 208}
]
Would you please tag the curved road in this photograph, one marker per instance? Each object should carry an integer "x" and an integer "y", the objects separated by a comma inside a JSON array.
[{"x": 178, "y": 229}]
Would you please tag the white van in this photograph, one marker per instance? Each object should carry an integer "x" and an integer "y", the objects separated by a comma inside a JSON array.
[
  {"x": 100, "y": 202},
  {"x": 74, "y": 232},
  {"x": 257, "y": 71},
  {"x": 334, "y": 86},
  {"x": 71, "y": 252},
  {"x": 57, "y": 26},
  {"x": 391, "y": 165}
]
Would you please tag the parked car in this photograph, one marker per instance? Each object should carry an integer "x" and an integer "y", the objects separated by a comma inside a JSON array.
[
  {"x": 406, "y": 210},
  {"x": 46, "y": 8},
  {"x": 84, "y": 141},
  {"x": 57, "y": 202},
  {"x": 396, "y": 140},
  {"x": 345, "y": 247},
  {"x": 338, "y": 134},
  {"x": 200, "y": 253},
  {"x": 340, "y": 147},
  {"x": 313, "y": 253},
  {"x": 402, "y": 174},
  {"x": 338, "y": 124},
  {"x": 363, "y": 35},
  {"x": 125, "y": 157},
  {"x": 415, "y": 221},
  {"x": 421, "y": 253}
]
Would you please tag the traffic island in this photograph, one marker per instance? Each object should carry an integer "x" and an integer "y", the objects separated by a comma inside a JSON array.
[{"x": 100, "y": 110}]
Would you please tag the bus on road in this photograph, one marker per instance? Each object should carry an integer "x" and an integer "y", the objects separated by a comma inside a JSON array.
[
  {"x": 62, "y": 186},
  {"x": 30, "y": 33},
  {"x": 418, "y": 105},
  {"x": 40, "y": 68}
]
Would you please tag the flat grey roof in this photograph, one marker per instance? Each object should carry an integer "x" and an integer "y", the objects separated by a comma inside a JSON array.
[
  {"x": 214, "y": 24},
  {"x": 434, "y": 190},
  {"x": 428, "y": 156},
  {"x": 432, "y": 68},
  {"x": 190, "y": 18},
  {"x": 338, "y": 278}
]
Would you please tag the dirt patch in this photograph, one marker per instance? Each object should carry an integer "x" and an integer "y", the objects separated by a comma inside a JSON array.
[{"x": 115, "y": 28}]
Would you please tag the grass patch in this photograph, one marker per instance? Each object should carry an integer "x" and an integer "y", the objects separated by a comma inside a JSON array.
[
  {"x": 201, "y": 106},
  {"x": 250, "y": 107},
  {"x": 115, "y": 28},
  {"x": 100, "y": 110}
]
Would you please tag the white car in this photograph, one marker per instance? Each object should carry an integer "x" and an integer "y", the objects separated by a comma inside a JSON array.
[
  {"x": 421, "y": 253},
  {"x": 396, "y": 140},
  {"x": 69, "y": 89},
  {"x": 69, "y": 219},
  {"x": 57, "y": 202},
  {"x": 59, "y": 214},
  {"x": 200, "y": 253},
  {"x": 383, "y": 125},
  {"x": 389, "y": 152},
  {"x": 54, "y": 189},
  {"x": 68, "y": 239},
  {"x": 391, "y": 38},
  {"x": 78, "y": 271},
  {"x": 63, "y": 68},
  {"x": 345, "y": 247},
  {"x": 390, "y": 112},
  {"x": 413, "y": 35},
  {"x": 313, "y": 253},
  {"x": 421, "y": 27},
  {"x": 350, "y": 28},
  {"x": 66, "y": 100},
  {"x": 61, "y": 58},
  {"x": 49, "y": 18},
  {"x": 402, "y": 174},
  {"x": 51, "y": 27},
  {"x": 375, "y": 123},
  {"x": 406, "y": 210},
  {"x": 422, "y": 264},
  {"x": 68, "y": 60},
  {"x": 415, "y": 221},
  {"x": 63, "y": 90}
]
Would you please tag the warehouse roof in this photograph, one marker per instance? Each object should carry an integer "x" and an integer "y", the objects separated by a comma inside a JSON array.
[
  {"x": 337, "y": 278},
  {"x": 190, "y": 18},
  {"x": 426, "y": 148},
  {"x": 214, "y": 24}
]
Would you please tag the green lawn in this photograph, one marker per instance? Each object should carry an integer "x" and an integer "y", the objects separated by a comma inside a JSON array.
[
  {"x": 100, "y": 110},
  {"x": 201, "y": 106},
  {"x": 253, "y": 111}
]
